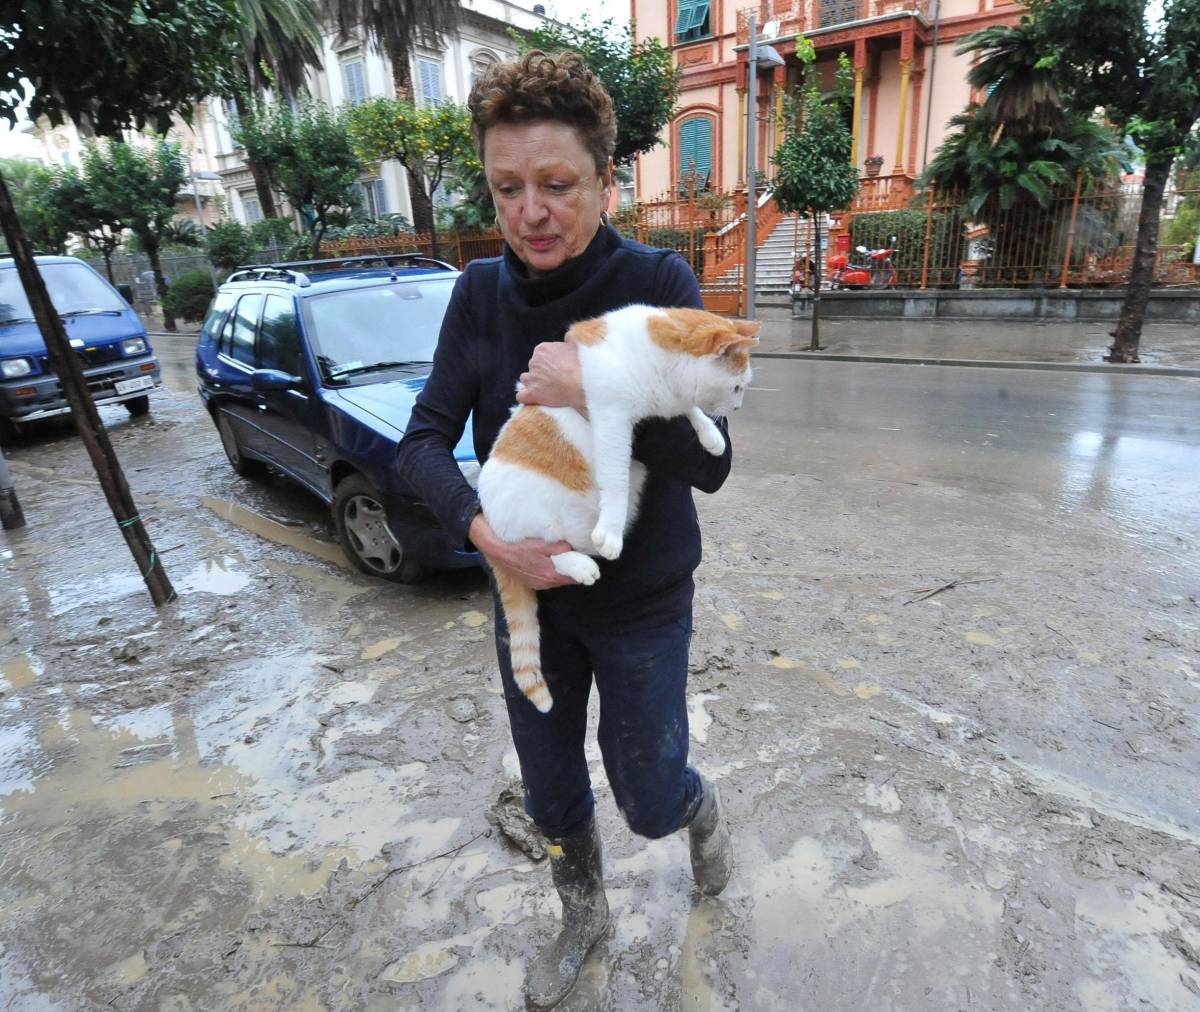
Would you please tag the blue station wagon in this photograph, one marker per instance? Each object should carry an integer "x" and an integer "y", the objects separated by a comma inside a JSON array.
[{"x": 312, "y": 367}]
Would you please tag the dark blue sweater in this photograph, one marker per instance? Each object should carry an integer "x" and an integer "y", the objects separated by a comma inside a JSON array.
[{"x": 497, "y": 315}]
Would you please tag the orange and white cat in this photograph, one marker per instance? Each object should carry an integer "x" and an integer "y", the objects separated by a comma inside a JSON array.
[{"x": 557, "y": 475}]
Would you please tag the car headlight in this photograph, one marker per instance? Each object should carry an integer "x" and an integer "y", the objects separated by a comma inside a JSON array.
[
  {"x": 134, "y": 346},
  {"x": 470, "y": 471},
  {"x": 13, "y": 368}
]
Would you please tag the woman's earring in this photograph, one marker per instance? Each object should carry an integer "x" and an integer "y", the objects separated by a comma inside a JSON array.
[{"x": 604, "y": 218}]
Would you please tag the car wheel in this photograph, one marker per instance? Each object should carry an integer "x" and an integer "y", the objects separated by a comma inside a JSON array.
[
  {"x": 366, "y": 536},
  {"x": 244, "y": 466},
  {"x": 138, "y": 406}
]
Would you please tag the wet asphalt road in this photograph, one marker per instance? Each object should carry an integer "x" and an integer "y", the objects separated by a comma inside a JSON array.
[{"x": 946, "y": 673}]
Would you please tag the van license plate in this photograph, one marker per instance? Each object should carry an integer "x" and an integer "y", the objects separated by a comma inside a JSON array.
[{"x": 138, "y": 383}]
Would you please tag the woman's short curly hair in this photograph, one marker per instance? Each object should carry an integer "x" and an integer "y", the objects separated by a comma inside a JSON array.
[{"x": 540, "y": 87}]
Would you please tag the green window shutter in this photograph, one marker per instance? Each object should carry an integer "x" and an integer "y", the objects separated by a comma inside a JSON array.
[
  {"x": 695, "y": 146},
  {"x": 684, "y": 18}
]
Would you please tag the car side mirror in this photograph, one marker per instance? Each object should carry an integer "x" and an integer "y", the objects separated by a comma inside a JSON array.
[
  {"x": 126, "y": 292},
  {"x": 265, "y": 380}
]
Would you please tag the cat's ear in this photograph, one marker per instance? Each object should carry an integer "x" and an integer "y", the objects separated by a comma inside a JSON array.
[
  {"x": 736, "y": 346},
  {"x": 747, "y": 328}
]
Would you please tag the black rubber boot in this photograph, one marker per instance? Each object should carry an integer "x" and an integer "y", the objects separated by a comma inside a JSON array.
[
  {"x": 708, "y": 840},
  {"x": 575, "y": 864}
]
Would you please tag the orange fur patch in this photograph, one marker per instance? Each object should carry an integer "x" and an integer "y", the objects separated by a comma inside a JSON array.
[
  {"x": 532, "y": 439},
  {"x": 587, "y": 332},
  {"x": 696, "y": 332}
]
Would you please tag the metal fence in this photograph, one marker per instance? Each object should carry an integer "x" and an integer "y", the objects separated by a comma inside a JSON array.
[{"x": 1084, "y": 237}]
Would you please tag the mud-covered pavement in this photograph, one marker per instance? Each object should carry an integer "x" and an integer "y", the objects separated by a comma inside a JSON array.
[{"x": 273, "y": 794}]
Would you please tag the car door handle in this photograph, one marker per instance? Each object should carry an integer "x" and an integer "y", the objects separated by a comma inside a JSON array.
[{"x": 261, "y": 406}]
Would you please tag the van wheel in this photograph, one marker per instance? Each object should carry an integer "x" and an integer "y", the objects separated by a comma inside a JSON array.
[
  {"x": 244, "y": 466},
  {"x": 8, "y": 431},
  {"x": 138, "y": 406},
  {"x": 364, "y": 532}
]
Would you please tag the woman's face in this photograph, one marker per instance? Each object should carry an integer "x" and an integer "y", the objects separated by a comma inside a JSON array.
[{"x": 547, "y": 192}]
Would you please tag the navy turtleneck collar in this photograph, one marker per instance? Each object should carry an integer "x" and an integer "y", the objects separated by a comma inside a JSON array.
[{"x": 537, "y": 291}]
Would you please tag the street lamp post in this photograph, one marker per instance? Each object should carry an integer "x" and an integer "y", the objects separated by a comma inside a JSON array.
[{"x": 758, "y": 56}]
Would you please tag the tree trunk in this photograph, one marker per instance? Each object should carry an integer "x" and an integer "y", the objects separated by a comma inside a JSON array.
[
  {"x": 1141, "y": 275},
  {"x": 318, "y": 232},
  {"x": 262, "y": 183},
  {"x": 160, "y": 283},
  {"x": 83, "y": 410},
  {"x": 422, "y": 205},
  {"x": 814, "y": 343},
  {"x": 108, "y": 263}
]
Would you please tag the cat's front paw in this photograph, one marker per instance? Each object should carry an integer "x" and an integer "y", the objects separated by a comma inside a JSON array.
[
  {"x": 608, "y": 542},
  {"x": 713, "y": 441}
]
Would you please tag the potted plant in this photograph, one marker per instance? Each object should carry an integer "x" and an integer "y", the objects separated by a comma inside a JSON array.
[{"x": 873, "y": 163}]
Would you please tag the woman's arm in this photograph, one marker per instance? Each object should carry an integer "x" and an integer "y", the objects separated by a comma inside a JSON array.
[{"x": 425, "y": 457}]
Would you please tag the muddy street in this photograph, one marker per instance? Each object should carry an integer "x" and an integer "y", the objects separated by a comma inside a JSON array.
[{"x": 946, "y": 672}]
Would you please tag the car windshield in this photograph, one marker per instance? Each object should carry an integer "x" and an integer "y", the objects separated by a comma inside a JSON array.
[
  {"x": 73, "y": 288},
  {"x": 371, "y": 330}
]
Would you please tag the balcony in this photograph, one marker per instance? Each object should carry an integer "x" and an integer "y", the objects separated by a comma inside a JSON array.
[{"x": 785, "y": 18}]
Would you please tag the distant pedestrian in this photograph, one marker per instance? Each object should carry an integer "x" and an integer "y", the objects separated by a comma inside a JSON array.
[{"x": 546, "y": 133}]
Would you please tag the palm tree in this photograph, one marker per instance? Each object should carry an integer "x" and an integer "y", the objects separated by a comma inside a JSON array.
[
  {"x": 281, "y": 39},
  {"x": 394, "y": 26},
  {"x": 1022, "y": 93}
]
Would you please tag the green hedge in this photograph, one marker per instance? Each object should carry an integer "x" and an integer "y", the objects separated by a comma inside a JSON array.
[
  {"x": 189, "y": 296},
  {"x": 947, "y": 243},
  {"x": 677, "y": 239}
]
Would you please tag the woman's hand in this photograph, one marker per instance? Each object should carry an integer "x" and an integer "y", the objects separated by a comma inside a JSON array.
[
  {"x": 554, "y": 379},
  {"x": 528, "y": 560}
]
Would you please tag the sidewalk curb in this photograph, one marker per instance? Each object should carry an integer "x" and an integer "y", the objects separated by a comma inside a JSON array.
[{"x": 1096, "y": 367}]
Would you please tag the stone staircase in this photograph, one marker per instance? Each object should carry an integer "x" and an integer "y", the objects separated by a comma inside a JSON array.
[{"x": 777, "y": 255}]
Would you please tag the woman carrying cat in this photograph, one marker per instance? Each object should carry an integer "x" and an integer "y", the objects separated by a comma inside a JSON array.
[{"x": 546, "y": 132}]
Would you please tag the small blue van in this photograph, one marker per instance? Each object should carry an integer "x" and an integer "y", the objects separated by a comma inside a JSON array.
[{"x": 102, "y": 327}]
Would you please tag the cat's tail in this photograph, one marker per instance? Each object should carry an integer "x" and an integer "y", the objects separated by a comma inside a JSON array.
[{"x": 524, "y": 638}]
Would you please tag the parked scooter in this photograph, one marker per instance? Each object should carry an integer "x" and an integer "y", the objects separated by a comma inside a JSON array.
[{"x": 877, "y": 272}]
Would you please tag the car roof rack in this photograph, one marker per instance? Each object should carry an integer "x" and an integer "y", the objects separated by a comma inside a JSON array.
[{"x": 289, "y": 271}]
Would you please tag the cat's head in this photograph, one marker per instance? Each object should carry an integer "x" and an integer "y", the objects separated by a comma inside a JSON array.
[{"x": 717, "y": 352}]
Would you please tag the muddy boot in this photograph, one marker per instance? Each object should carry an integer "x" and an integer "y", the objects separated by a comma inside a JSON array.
[
  {"x": 708, "y": 840},
  {"x": 578, "y": 876}
]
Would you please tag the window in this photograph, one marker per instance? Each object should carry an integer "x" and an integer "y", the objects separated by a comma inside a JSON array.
[
  {"x": 216, "y": 316},
  {"x": 244, "y": 322},
  {"x": 479, "y": 63},
  {"x": 252, "y": 208},
  {"x": 692, "y": 21},
  {"x": 372, "y": 197},
  {"x": 231, "y": 120},
  {"x": 279, "y": 340},
  {"x": 429, "y": 77},
  {"x": 695, "y": 149},
  {"x": 356, "y": 82}
]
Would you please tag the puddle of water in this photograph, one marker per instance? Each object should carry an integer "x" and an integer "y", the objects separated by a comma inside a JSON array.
[
  {"x": 19, "y": 672},
  {"x": 18, "y": 751},
  {"x": 472, "y": 619},
  {"x": 980, "y": 639},
  {"x": 216, "y": 576},
  {"x": 865, "y": 690},
  {"x": 821, "y": 678},
  {"x": 277, "y": 532},
  {"x": 732, "y": 620}
]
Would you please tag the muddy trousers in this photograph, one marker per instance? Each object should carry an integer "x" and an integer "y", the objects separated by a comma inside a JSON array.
[{"x": 641, "y": 679}]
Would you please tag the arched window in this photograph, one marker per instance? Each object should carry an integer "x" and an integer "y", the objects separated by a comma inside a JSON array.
[{"x": 695, "y": 149}]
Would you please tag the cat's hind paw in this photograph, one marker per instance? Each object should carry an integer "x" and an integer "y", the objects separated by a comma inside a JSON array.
[{"x": 608, "y": 543}]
